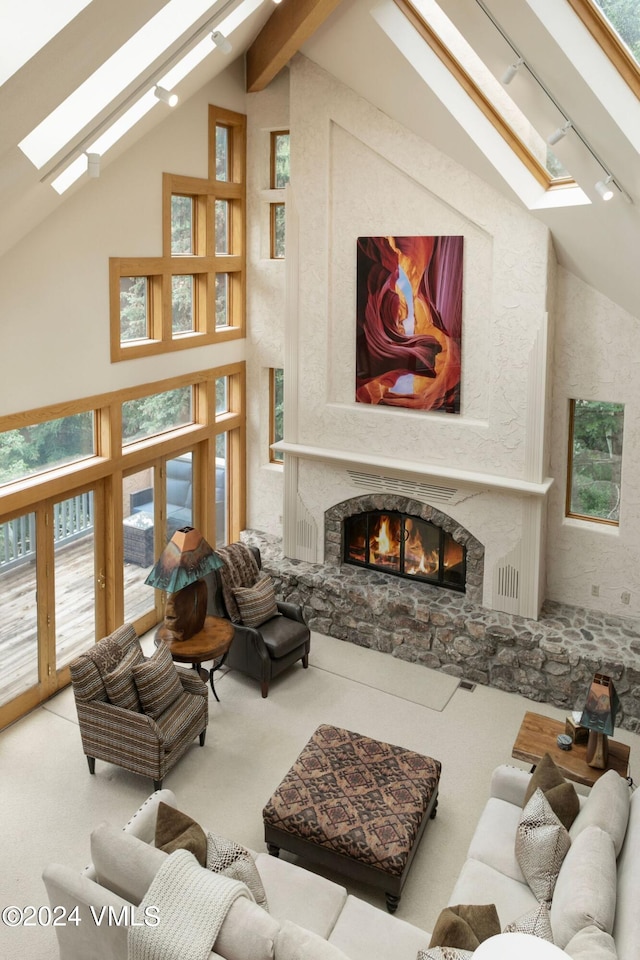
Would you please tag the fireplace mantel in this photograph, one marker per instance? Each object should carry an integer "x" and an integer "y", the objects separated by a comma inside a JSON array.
[{"x": 415, "y": 468}]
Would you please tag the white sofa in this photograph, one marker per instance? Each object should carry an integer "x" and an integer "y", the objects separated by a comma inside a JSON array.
[{"x": 326, "y": 923}]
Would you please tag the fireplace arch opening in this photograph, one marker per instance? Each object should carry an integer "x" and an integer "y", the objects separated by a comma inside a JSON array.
[{"x": 406, "y": 546}]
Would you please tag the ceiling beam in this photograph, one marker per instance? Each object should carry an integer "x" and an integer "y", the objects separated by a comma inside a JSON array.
[{"x": 290, "y": 24}]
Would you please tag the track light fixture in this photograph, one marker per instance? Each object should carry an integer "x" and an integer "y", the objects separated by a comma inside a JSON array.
[
  {"x": 604, "y": 188},
  {"x": 221, "y": 41},
  {"x": 165, "y": 96},
  {"x": 93, "y": 165},
  {"x": 559, "y": 133},
  {"x": 511, "y": 71}
]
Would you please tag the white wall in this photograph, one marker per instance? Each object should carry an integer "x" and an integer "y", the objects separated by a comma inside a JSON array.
[
  {"x": 596, "y": 349},
  {"x": 54, "y": 284}
]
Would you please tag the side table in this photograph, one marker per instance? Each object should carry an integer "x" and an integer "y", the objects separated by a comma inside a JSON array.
[
  {"x": 537, "y": 736},
  {"x": 210, "y": 643}
]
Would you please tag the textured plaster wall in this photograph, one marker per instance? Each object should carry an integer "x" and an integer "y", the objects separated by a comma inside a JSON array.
[{"x": 596, "y": 349}]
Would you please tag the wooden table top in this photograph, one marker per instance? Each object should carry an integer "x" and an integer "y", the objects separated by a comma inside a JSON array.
[
  {"x": 211, "y": 642},
  {"x": 537, "y": 736}
]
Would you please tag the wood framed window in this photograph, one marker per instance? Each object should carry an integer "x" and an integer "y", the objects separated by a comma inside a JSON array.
[
  {"x": 594, "y": 475},
  {"x": 276, "y": 412},
  {"x": 195, "y": 293},
  {"x": 279, "y": 174}
]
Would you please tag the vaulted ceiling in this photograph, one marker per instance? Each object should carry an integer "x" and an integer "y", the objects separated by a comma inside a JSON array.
[{"x": 352, "y": 40}]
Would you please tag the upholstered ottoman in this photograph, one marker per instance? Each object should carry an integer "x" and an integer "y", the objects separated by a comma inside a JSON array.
[{"x": 355, "y": 805}]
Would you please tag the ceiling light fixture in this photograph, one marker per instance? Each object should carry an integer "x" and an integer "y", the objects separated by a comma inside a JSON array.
[
  {"x": 558, "y": 134},
  {"x": 165, "y": 96},
  {"x": 221, "y": 41},
  {"x": 93, "y": 165},
  {"x": 511, "y": 71},
  {"x": 604, "y": 189}
]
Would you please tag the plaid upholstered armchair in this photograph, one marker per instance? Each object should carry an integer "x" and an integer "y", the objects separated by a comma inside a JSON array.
[{"x": 138, "y": 713}]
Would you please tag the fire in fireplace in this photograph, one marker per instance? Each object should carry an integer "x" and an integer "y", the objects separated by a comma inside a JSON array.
[{"x": 405, "y": 546}]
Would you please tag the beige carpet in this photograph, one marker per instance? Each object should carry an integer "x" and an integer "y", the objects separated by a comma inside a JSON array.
[
  {"x": 408, "y": 681},
  {"x": 50, "y": 803}
]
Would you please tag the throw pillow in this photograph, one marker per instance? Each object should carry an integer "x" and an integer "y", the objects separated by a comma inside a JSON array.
[
  {"x": 229, "y": 858},
  {"x": 591, "y": 943},
  {"x": 561, "y": 794},
  {"x": 585, "y": 892},
  {"x": 176, "y": 831},
  {"x": 541, "y": 845},
  {"x": 444, "y": 953},
  {"x": 535, "y": 922},
  {"x": 607, "y": 807},
  {"x": 157, "y": 682},
  {"x": 465, "y": 926},
  {"x": 257, "y": 603},
  {"x": 119, "y": 683}
]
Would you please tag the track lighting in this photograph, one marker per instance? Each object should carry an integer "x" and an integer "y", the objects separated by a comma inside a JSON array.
[
  {"x": 511, "y": 71},
  {"x": 221, "y": 41},
  {"x": 604, "y": 189},
  {"x": 165, "y": 96},
  {"x": 93, "y": 165},
  {"x": 559, "y": 133}
]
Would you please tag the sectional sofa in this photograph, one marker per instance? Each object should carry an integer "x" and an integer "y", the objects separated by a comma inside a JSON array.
[{"x": 594, "y": 906}]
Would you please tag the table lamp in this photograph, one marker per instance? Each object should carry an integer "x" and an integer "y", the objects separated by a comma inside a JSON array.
[
  {"x": 179, "y": 571},
  {"x": 599, "y": 717}
]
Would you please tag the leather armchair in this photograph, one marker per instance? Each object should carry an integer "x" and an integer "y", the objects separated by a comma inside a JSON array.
[
  {"x": 129, "y": 737},
  {"x": 263, "y": 652}
]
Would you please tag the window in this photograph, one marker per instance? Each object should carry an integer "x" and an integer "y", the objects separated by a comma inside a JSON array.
[
  {"x": 194, "y": 294},
  {"x": 595, "y": 460},
  {"x": 278, "y": 179},
  {"x": 615, "y": 25},
  {"x": 276, "y": 407},
  {"x": 156, "y": 414},
  {"x": 32, "y": 450}
]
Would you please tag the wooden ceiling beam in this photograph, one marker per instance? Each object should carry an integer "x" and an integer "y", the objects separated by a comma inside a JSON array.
[{"x": 291, "y": 23}]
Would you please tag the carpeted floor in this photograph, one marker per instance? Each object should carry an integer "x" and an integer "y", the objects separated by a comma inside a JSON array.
[{"x": 50, "y": 803}]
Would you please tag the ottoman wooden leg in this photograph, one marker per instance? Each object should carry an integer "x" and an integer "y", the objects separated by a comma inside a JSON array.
[
  {"x": 273, "y": 849},
  {"x": 392, "y": 902}
]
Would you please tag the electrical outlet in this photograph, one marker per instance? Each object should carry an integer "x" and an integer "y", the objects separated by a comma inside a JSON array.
[
  {"x": 595, "y": 590},
  {"x": 625, "y": 597}
]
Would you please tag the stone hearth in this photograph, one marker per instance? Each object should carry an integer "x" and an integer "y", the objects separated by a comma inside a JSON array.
[{"x": 549, "y": 660}]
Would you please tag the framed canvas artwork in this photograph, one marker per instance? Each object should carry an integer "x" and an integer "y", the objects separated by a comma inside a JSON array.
[{"x": 409, "y": 322}]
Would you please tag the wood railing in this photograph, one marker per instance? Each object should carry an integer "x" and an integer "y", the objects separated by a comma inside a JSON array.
[{"x": 72, "y": 519}]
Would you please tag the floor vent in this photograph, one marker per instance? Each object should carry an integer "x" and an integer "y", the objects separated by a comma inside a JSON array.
[{"x": 467, "y": 685}]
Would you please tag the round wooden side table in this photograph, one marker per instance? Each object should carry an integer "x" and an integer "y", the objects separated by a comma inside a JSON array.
[{"x": 210, "y": 643}]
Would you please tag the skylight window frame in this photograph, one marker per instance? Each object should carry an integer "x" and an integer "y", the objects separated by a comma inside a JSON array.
[
  {"x": 482, "y": 101},
  {"x": 610, "y": 42}
]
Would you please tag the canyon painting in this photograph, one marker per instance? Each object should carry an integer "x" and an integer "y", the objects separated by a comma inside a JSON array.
[{"x": 409, "y": 322}]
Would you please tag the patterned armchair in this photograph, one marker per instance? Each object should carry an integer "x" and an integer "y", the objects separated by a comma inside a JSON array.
[{"x": 138, "y": 713}]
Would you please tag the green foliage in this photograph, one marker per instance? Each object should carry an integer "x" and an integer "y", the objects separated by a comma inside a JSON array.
[
  {"x": 44, "y": 446},
  {"x": 155, "y": 414},
  {"x": 282, "y": 161},
  {"x": 181, "y": 225},
  {"x": 624, "y": 16},
  {"x": 597, "y": 459},
  {"x": 133, "y": 308}
]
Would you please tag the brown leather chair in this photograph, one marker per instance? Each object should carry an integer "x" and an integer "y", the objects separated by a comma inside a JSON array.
[{"x": 263, "y": 652}]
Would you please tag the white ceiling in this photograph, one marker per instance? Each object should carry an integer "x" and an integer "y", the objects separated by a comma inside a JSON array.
[{"x": 599, "y": 241}]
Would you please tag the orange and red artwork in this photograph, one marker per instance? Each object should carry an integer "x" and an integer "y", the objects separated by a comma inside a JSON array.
[{"x": 409, "y": 322}]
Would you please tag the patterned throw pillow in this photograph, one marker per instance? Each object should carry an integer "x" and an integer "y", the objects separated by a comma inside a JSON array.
[
  {"x": 535, "y": 922},
  {"x": 232, "y": 860},
  {"x": 444, "y": 953},
  {"x": 119, "y": 683},
  {"x": 560, "y": 793},
  {"x": 157, "y": 682},
  {"x": 257, "y": 604},
  {"x": 541, "y": 845}
]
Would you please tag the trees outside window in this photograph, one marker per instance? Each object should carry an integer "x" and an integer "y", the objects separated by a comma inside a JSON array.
[{"x": 595, "y": 460}]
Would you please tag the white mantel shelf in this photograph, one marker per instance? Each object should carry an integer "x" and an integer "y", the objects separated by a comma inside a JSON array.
[{"x": 414, "y": 468}]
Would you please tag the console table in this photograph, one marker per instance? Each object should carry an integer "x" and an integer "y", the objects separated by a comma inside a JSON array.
[
  {"x": 537, "y": 736},
  {"x": 210, "y": 643}
]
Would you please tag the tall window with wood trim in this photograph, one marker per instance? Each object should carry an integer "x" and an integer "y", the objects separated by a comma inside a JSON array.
[
  {"x": 278, "y": 180},
  {"x": 276, "y": 412},
  {"x": 594, "y": 481},
  {"x": 194, "y": 294}
]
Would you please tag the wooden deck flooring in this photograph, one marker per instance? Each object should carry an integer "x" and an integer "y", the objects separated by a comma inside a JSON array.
[{"x": 75, "y": 613}]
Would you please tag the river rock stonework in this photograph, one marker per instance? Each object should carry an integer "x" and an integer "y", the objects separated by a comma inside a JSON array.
[{"x": 549, "y": 660}]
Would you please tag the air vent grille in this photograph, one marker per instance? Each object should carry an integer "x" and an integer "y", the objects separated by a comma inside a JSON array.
[{"x": 407, "y": 488}]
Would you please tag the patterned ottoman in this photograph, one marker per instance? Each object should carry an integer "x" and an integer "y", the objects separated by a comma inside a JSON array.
[{"x": 355, "y": 805}]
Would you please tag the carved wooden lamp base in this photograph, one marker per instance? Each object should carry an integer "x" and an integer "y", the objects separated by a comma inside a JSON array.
[{"x": 597, "y": 750}]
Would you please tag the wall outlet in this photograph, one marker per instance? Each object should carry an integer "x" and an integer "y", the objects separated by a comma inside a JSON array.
[
  {"x": 625, "y": 596},
  {"x": 595, "y": 590}
]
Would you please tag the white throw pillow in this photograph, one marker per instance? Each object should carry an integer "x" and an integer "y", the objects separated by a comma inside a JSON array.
[
  {"x": 591, "y": 943},
  {"x": 585, "y": 891},
  {"x": 607, "y": 807},
  {"x": 541, "y": 846}
]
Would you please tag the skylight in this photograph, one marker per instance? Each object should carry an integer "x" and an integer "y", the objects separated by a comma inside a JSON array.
[
  {"x": 33, "y": 24},
  {"x": 624, "y": 17},
  {"x": 111, "y": 78}
]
